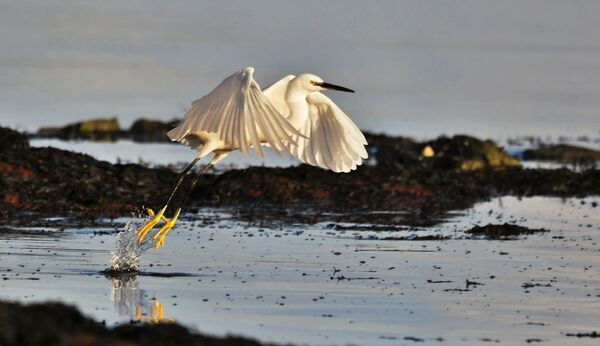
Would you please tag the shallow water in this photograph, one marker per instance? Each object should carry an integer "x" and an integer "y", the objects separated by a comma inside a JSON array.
[
  {"x": 158, "y": 154},
  {"x": 165, "y": 154},
  {"x": 219, "y": 275}
]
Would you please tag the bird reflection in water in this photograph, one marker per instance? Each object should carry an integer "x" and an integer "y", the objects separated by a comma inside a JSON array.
[{"x": 132, "y": 301}]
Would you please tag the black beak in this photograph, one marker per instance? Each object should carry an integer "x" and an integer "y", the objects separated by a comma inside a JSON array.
[{"x": 335, "y": 87}]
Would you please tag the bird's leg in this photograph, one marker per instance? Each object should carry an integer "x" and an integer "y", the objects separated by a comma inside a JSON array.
[
  {"x": 150, "y": 225},
  {"x": 162, "y": 233},
  {"x": 153, "y": 214},
  {"x": 181, "y": 177},
  {"x": 160, "y": 236},
  {"x": 160, "y": 215}
]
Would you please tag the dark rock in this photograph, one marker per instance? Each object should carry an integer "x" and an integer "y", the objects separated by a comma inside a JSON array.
[
  {"x": 53, "y": 181},
  {"x": 502, "y": 232},
  {"x": 563, "y": 153},
  {"x": 11, "y": 140},
  {"x": 93, "y": 129},
  {"x": 394, "y": 150},
  {"x": 142, "y": 130},
  {"x": 534, "y": 284},
  {"x": 468, "y": 153},
  {"x": 592, "y": 335},
  {"x": 49, "y": 132},
  {"x": 459, "y": 152},
  {"x": 145, "y": 130},
  {"x": 95, "y": 126},
  {"x": 50, "y": 324}
]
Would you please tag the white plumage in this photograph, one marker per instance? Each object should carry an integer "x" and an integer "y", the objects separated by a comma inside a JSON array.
[
  {"x": 330, "y": 139},
  {"x": 291, "y": 115}
]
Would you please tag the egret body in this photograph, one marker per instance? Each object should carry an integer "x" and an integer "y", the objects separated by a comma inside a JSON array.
[{"x": 290, "y": 116}]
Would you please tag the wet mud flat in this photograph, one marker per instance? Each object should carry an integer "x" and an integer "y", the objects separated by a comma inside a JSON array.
[
  {"x": 402, "y": 247},
  {"x": 335, "y": 283}
]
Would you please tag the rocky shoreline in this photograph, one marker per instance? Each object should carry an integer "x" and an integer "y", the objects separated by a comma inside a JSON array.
[
  {"x": 423, "y": 180},
  {"x": 414, "y": 183}
]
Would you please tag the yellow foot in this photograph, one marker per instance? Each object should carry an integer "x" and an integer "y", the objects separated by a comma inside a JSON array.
[
  {"x": 150, "y": 224},
  {"x": 162, "y": 233},
  {"x": 152, "y": 214}
]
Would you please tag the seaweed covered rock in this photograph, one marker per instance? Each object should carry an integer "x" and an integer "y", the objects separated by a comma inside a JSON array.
[
  {"x": 96, "y": 129},
  {"x": 393, "y": 150},
  {"x": 53, "y": 181},
  {"x": 50, "y": 181},
  {"x": 563, "y": 153},
  {"x": 146, "y": 130},
  {"x": 458, "y": 152},
  {"x": 95, "y": 126},
  {"x": 505, "y": 231},
  {"x": 11, "y": 140},
  {"x": 468, "y": 153},
  {"x": 57, "y": 324}
]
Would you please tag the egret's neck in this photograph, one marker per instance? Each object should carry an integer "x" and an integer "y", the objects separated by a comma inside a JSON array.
[{"x": 298, "y": 107}]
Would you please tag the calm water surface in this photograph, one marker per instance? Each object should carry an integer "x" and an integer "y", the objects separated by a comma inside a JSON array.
[{"x": 278, "y": 283}]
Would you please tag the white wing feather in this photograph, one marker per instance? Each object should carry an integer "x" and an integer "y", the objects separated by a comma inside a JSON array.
[
  {"x": 276, "y": 94},
  {"x": 334, "y": 141},
  {"x": 240, "y": 114}
]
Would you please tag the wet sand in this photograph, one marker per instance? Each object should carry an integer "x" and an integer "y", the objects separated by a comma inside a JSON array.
[{"x": 331, "y": 283}]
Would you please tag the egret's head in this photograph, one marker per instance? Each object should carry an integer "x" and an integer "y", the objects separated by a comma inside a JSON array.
[{"x": 314, "y": 83}]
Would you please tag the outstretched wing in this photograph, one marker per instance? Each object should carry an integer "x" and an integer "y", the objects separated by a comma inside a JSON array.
[
  {"x": 240, "y": 114},
  {"x": 334, "y": 141},
  {"x": 276, "y": 94}
]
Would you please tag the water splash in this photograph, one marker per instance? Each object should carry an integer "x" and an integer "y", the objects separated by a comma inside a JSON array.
[{"x": 127, "y": 254}]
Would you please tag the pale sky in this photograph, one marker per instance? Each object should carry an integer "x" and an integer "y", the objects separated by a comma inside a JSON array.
[{"x": 420, "y": 68}]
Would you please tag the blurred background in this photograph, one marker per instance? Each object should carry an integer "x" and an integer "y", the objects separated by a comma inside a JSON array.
[{"x": 420, "y": 68}]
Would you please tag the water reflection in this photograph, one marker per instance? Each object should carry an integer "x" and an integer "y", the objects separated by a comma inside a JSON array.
[{"x": 132, "y": 301}]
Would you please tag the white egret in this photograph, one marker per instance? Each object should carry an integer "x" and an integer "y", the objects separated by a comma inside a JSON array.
[{"x": 291, "y": 115}]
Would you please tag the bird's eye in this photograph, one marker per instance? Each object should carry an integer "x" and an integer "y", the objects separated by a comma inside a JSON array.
[{"x": 313, "y": 82}]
